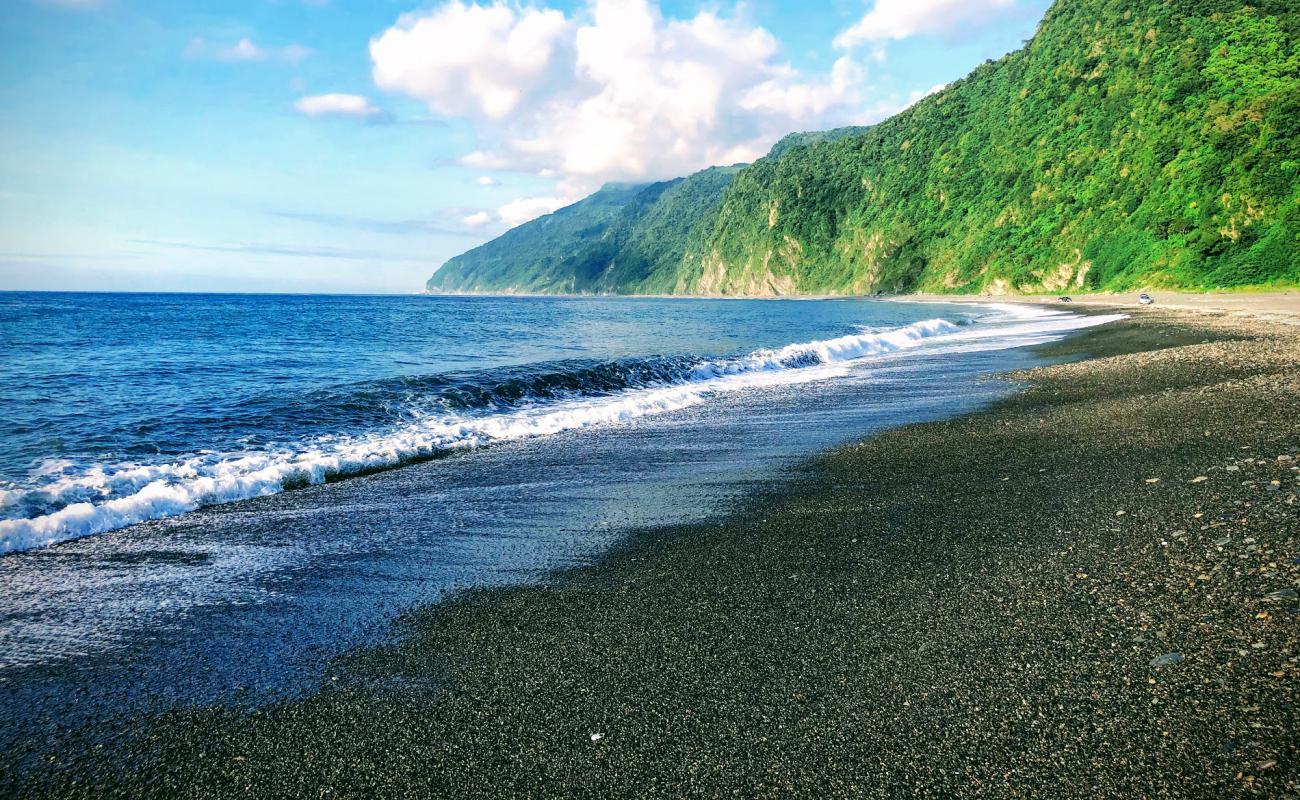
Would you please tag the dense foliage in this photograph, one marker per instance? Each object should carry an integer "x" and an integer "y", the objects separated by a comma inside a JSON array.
[
  {"x": 1130, "y": 143},
  {"x": 622, "y": 239},
  {"x": 529, "y": 258}
]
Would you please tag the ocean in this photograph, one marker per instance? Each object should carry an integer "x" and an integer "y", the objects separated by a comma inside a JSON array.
[{"x": 203, "y": 498}]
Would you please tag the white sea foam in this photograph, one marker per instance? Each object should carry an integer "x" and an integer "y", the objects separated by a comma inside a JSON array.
[{"x": 107, "y": 497}]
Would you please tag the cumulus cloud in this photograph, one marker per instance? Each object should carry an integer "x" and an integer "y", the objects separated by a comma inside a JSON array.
[
  {"x": 800, "y": 100},
  {"x": 245, "y": 50},
  {"x": 935, "y": 89},
  {"x": 901, "y": 19},
  {"x": 337, "y": 105},
  {"x": 476, "y": 220},
  {"x": 886, "y": 108},
  {"x": 517, "y": 212},
  {"x": 487, "y": 180},
  {"x": 469, "y": 59},
  {"x": 616, "y": 92}
]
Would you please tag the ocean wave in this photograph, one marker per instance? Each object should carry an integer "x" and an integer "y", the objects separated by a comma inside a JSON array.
[{"x": 67, "y": 502}]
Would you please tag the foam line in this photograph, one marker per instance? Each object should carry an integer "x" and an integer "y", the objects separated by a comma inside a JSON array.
[{"x": 104, "y": 497}]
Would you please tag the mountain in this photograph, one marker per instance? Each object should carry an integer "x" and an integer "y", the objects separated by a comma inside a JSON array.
[
  {"x": 622, "y": 239},
  {"x": 804, "y": 138},
  {"x": 530, "y": 257},
  {"x": 1130, "y": 143}
]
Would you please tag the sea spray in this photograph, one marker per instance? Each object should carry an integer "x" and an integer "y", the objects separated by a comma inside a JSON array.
[{"x": 443, "y": 416}]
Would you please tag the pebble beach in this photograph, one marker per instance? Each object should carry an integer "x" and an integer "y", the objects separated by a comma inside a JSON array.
[{"x": 1087, "y": 590}]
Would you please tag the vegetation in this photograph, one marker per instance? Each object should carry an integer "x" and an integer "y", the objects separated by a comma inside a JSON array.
[
  {"x": 1131, "y": 143},
  {"x": 805, "y": 138},
  {"x": 529, "y": 258},
  {"x": 622, "y": 239}
]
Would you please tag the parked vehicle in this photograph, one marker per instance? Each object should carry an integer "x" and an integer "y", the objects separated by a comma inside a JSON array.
[{"x": 1145, "y": 300}]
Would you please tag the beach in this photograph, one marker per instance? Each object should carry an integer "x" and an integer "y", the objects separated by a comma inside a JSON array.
[
  {"x": 1088, "y": 589},
  {"x": 645, "y": 399},
  {"x": 1281, "y": 306}
]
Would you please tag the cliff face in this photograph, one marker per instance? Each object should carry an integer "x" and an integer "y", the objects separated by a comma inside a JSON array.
[{"x": 1138, "y": 143}]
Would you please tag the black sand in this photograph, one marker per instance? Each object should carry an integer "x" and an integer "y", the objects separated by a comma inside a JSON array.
[{"x": 1008, "y": 604}]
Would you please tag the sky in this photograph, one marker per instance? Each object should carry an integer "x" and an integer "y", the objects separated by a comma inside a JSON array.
[{"x": 353, "y": 146}]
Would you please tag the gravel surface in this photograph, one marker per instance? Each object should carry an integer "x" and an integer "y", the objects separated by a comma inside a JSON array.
[{"x": 1089, "y": 590}]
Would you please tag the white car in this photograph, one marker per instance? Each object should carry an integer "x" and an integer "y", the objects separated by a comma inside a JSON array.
[{"x": 1145, "y": 300}]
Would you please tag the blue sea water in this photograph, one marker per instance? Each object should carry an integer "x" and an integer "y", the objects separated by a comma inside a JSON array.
[
  {"x": 218, "y": 492},
  {"x": 107, "y": 395},
  {"x": 123, "y": 408}
]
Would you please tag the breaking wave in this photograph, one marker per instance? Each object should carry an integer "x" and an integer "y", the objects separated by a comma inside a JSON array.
[{"x": 432, "y": 416}]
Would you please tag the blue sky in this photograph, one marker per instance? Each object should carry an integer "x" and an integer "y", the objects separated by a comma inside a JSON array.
[{"x": 335, "y": 146}]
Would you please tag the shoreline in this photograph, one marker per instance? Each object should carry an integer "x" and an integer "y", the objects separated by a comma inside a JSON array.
[
  {"x": 1268, "y": 303},
  {"x": 1273, "y": 306},
  {"x": 294, "y": 465},
  {"x": 949, "y": 608}
]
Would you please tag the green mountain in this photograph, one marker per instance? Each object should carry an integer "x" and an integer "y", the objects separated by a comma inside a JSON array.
[
  {"x": 792, "y": 140},
  {"x": 622, "y": 239},
  {"x": 531, "y": 257},
  {"x": 1129, "y": 143}
]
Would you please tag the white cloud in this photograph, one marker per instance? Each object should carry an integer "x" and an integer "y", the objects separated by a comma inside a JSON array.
[
  {"x": 468, "y": 60},
  {"x": 901, "y": 19},
  {"x": 477, "y": 219},
  {"x": 246, "y": 50},
  {"x": 616, "y": 92},
  {"x": 487, "y": 180},
  {"x": 337, "y": 105},
  {"x": 885, "y": 108},
  {"x": 517, "y": 212},
  {"x": 935, "y": 89},
  {"x": 800, "y": 100},
  {"x": 243, "y": 50}
]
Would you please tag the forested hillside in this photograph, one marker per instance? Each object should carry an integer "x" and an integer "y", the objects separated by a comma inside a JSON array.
[
  {"x": 622, "y": 239},
  {"x": 1130, "y": 143},
  {"x": 528, "y": 258}
]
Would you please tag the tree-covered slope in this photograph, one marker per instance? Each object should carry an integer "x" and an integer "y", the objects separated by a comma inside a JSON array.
[
  {"x": 804, "y": 138},
  {"x": 1130, "y": 143},
  {"x": 622, "y": 239},
  {"x": 644, "y": 247},
  {"x": 530, "y": 257}
]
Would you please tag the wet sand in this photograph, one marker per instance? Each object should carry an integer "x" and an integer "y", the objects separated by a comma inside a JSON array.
[{"x": 1089, "y": 590}]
